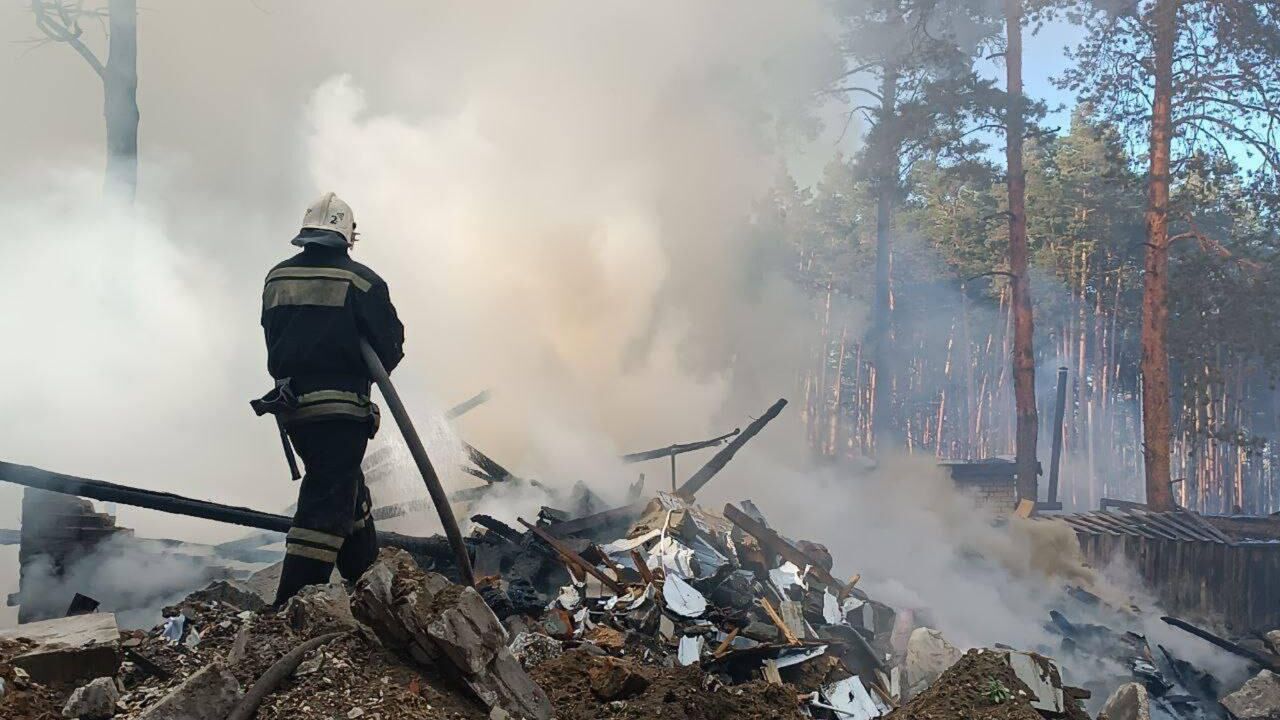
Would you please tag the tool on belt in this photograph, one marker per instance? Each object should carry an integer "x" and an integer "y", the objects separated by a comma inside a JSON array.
[{"x": 277, "y": 402}]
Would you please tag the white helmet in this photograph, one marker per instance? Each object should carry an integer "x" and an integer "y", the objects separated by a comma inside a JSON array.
[{"x": 331, "y": 213}]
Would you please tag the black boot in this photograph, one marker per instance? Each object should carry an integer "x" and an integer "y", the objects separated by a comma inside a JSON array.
[{"x": 297, "y": 573}]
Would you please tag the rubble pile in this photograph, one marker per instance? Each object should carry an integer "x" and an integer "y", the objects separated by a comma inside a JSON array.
[
  {"x": 1001, "y": 684},
  {"x": 660, "y": 608},
  {"x": 587, "y": 686}
]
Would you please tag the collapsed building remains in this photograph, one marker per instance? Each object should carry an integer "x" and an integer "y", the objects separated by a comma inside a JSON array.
[{"x": 657, "y": 607}]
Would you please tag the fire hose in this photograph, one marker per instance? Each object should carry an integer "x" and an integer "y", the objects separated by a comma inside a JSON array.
[{"x": 419, "y": 453}]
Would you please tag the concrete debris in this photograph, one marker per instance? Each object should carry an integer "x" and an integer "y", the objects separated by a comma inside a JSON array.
[
  {"x": 69, "y": 649},
  {"x": 95, "y": 701},
  {"x": 1129, "y": 702},
  {"x": 437, "y": 622},
  {"x": 928, "y": 656},
  {"x": 319, "y": 609},
  {"x": 1043, "y": 678},
  {"x": 1273, "y": 641},
  {"x": 209, "y": 694},
  {"x": 532, "y": 649},
  {"x": 1258, "y": 699}
]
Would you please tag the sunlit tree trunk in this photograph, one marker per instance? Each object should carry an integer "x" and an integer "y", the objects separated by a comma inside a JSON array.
[
  {"x": 1024, "y": 364},
  {"x": 1157, "y": 426}
]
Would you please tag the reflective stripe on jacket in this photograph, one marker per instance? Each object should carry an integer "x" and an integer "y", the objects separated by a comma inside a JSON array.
[{"x": 316, "y": 306}]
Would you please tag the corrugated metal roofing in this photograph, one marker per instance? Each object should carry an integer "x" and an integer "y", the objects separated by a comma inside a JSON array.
[{"x": 1176, "y": 525}]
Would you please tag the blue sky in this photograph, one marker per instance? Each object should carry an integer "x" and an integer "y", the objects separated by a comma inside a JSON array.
[{"x": 1043, "y": 59}]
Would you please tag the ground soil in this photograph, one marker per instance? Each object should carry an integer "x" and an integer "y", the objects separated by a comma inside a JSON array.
[
  {"x": 33, "y": 702},
  {"x": 680, "y": 692},
  {"x": 970, "y": 691}
]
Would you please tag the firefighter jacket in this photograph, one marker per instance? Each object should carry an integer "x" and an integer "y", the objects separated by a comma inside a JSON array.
[{"x": 316, "y": 306}]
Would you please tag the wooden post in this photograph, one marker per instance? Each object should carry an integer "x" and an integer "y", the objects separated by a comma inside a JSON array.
[{"x": 1059, "y": 415}]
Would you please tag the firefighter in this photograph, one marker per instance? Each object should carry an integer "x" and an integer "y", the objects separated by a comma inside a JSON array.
[{"x": 316, "y": 306}]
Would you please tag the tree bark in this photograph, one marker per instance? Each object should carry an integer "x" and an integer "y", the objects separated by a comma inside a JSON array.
[
  {"x": 886, "y": 183},
  {"x": 1024, "y": 366},
  {"x": 120, "y": 98},
  {"x": 1157, "y": 426}
]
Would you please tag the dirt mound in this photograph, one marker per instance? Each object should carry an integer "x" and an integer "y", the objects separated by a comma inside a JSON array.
[
  {"x": 22, "y": 698},
  {"x": 981, "y": 686},
  {"x": 585, "y": 687}
]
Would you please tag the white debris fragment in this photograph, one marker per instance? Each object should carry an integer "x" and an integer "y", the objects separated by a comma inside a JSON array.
[
  {"x": 624, "y": 546},
  {"x": 795, "y": 657},
  {"x": 691, "y": 649},
  {"x": 850, "y": 698},
  {"x": 173, "y": 628},
  {"x": 569, "y": 597},
  {"x": 786, "y": 575},
  {"x": 831, "y": 609},
  {"x": 673, "y": 557},
  {"x": 682, "y": 599}
]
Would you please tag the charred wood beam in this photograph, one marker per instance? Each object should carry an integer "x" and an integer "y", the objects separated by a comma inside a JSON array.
[
  {"x": 32, "y": 477},
  {"x": 722, "y": 458},
  {"x": 467, "y": 406},
  {"x": 775, "y": 543},
  {"x": 606, "y": 518},
  {"x": 572, "y": 557},
  {"x": 1270, "y": 663},
  {"x": 494, "y": 471},
  {"x": 677, "y": 449},
  {"x": 498, "y": 528}
]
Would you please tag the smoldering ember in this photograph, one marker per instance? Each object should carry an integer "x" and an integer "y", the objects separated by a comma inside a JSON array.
[{"x": 335, "y": 334}]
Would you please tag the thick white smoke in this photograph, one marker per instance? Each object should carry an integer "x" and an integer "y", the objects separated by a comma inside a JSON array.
[{"x": 561, "y": 196}]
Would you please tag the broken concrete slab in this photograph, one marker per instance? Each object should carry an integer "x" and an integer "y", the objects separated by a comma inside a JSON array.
[
  {"x": 320, "y": 608},
  {"x": 1273, "y": 641},
  {"x": 95, "y": 701},
  {"x": 1258, "y": 699},
  {"x": 69, "y": 649},
  {"x": 210, "y": 694},
  {"x": 1129, "y": 702},
  {"x": 1043, "y": 678},
  {"x": 439, "y": 623},
  {"x": 928, "y": 656}
]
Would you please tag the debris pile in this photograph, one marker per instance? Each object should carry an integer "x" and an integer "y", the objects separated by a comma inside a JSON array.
[{"x": 659, "y": 608}]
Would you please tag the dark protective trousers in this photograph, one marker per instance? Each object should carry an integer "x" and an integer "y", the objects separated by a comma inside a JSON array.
[{"x": 332, "y": 525}]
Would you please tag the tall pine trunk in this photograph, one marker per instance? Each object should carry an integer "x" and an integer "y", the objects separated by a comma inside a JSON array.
[
  {"x": 1157, "y": 424},
  {"x": 120, "y": 98},
  {"x": 886, "y": 184},
  {"x": 1024, "y": 364}
]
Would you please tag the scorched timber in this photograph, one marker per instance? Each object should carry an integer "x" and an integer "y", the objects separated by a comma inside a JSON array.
[
  {"x": 722, "y": 458},
  {"x": 32, "y": 477}
]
